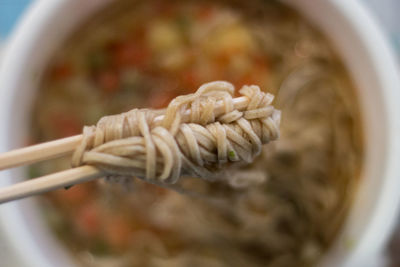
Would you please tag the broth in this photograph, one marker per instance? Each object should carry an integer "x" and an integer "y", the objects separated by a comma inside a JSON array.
[{"x": 143, "y": 54}]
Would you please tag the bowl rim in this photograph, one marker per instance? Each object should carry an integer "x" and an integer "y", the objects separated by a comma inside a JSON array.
[
  {"x": 387, "y": 206},
  {"x": 368, "y": 248}
]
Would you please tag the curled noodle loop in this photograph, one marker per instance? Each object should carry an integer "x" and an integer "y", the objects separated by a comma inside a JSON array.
[{"x": 194, "y": 137}]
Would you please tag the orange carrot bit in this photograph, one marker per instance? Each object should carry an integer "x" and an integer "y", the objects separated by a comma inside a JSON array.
[
  {"x": 205, "y": 13},
  {"x": 88, "y": 220},
  {"x": 61, "y": 71},
  {"x": 76, "y": 195},
  {"x": 130, "y": 53},
  {"x": 65, "y": 124},
  {"x": 162, "y": 98},
  {"x": 117, "y": 231},
  {"x": 109, "y": 81}
]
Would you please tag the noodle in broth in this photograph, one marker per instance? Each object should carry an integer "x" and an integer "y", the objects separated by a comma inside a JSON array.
[{"x": 287, "y": 216}]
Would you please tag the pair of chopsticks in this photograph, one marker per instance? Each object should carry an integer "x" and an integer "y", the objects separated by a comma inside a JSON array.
[
  {"x": 62, "y": 147},
  {"x": 41, "y": 152}
]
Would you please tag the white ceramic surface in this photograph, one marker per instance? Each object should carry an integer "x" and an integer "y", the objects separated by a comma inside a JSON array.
[{"x": 358, "y": 41}]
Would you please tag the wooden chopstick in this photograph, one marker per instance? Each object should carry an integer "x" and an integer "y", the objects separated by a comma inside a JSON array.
[
  {"x": 65, "y": 146},
  {"x": 49, "y": 182},
  {"x": 40, "y": 152}
]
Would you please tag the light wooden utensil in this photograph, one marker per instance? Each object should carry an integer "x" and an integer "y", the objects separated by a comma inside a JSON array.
[{"x": 62, "y": 147}]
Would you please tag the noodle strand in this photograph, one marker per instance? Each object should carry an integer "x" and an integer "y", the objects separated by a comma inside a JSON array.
[{"x": 133, "y": 144}]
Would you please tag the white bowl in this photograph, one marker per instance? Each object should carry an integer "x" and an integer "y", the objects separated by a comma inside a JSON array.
[{"x": 356, "y": 38}]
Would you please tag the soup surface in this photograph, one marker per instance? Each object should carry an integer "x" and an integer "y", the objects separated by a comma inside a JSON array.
[{"x": 143, "y": 54}]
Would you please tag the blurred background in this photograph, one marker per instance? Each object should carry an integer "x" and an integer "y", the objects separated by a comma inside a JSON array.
[{"x": 386, "y": 12}]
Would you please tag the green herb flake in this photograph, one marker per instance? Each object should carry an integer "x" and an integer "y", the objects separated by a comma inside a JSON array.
[
  {"x": 97, "y": 60},
  {"x": 231, "y": 154},
  {"x": 100, "y": 247}
]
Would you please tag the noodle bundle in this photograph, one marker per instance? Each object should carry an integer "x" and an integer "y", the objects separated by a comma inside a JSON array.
[{"x": 198, "y": 135}]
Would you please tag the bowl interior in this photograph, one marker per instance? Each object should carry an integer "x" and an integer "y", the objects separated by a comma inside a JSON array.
[
  {"x": 357, "y": 40},
  {"x": 371, "y": 64}
]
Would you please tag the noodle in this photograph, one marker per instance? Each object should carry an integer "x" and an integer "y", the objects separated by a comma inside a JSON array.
[
  {"x": 284, "y": 209},
  {"x": 135, "y": 143}
]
